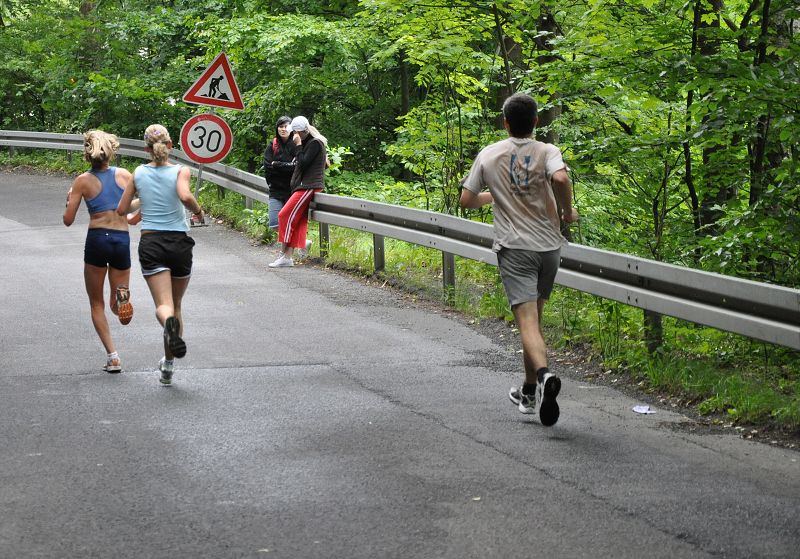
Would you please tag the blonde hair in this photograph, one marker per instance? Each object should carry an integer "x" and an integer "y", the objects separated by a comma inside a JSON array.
[
  {"x": 156, "y": 138},
  {"x": 99, "y": 147},
  {"x": 315, "y": 133}
]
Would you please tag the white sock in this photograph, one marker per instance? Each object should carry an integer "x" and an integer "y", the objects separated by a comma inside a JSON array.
[{"x": 113, "y": 355}]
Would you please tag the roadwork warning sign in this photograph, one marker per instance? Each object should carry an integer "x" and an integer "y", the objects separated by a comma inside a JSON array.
[{"x": 216, "y": 87}]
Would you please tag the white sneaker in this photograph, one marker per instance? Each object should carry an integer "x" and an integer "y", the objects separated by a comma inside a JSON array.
[
  {"x": 309, "y": 242},
  {"x": 282, "y": 261}
]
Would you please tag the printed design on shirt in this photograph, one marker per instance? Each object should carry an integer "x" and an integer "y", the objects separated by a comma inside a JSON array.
[{"x": 519, "y": 173}]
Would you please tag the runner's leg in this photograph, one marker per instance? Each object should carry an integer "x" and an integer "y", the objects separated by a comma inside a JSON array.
[
  {"x": 117, "y": 278},
  {"x": 94, "y": 278},
  {"x": 179, "y": 287},
  {"x": 534, "y": 352}
]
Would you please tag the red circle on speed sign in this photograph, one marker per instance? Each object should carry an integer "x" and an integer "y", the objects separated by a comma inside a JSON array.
[{"x": 206, "y": 138}]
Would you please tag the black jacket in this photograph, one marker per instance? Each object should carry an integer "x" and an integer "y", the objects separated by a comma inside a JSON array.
[
  {"x": 311, "y": 158},
  {"x": 278, "y": 167}
]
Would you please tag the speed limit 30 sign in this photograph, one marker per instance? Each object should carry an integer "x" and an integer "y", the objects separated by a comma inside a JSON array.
[{"x": 206, "y": 138}]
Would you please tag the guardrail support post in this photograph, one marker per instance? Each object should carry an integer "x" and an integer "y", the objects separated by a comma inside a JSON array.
[
  {"x": 324, "y": 239},
  {"x": 449, "y": 276},
  {"x": 248, "y": 203},
  {"x": 379, "y": 252}
]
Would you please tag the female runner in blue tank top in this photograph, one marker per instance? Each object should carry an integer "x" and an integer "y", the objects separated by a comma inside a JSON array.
[
  {"x": 107, "y": 249},
  {"x": 165, "y": 250}
]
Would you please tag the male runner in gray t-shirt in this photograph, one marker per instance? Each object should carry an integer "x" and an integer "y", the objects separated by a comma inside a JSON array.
[{"x": 528, "y": 185}]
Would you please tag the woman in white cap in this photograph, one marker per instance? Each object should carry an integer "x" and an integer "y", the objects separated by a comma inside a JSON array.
[{"x": 307, "y": 180}]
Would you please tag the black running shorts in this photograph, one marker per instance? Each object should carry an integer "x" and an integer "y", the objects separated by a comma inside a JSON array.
[{"x": 160, "y": 251}]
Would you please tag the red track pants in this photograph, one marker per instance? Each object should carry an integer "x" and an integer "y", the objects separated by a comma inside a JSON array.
[{"x": 293, "y": 218}]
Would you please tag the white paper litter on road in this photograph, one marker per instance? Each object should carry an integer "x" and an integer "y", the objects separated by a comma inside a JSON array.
[{"x": 643, "y": 409}]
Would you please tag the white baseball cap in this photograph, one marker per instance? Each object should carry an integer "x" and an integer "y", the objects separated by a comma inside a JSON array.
[{"x": 299, "y": 123}]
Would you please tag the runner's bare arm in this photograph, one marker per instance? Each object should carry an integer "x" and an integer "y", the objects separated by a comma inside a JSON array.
[
  {"x": 125, "y": 202},
  {"x": 74, "y": 197},
  {"x": 471, "y": 200},
  {"x": 562, "y": 188},
  {"x": 185, "y": 192}
]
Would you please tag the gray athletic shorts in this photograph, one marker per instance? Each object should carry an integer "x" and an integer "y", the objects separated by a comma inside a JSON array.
[{"x": 528, "y": 275}]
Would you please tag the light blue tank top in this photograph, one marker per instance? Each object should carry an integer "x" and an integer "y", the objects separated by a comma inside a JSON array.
[
  {"x": 110, "y": 192},
  {"x": 162, "y": 210}
]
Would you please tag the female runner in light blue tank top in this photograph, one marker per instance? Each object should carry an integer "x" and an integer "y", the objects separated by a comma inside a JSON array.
[
  {"x": 107, "y": 249},
  {"x": 165, "y": 250}
]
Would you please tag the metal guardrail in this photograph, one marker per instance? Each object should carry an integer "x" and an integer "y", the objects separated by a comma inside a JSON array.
[
  {"x": 250, "y": 185},
  {"x": 761, "y": 311}
]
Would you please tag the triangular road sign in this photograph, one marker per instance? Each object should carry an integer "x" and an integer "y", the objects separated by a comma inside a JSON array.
[{"x": 216, "y": 87}]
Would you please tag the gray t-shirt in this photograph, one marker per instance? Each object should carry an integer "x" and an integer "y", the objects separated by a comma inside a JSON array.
[{"x": 517, "y": 172}]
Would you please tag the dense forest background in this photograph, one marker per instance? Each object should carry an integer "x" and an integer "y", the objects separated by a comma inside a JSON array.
[{"x": 680, "y": 120}]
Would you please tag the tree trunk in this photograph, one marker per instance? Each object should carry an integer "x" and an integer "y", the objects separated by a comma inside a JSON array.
[
  {"x": 717, "y": 189},
  {"x": 547, "y": 28},
  {"x": 405, "y": 103}
]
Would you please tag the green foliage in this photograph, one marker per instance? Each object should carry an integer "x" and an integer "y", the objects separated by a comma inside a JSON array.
[
  {"x": 257, "y": 222},
  {"x": 336, "y": 157},
  {"x": 377, "y": 187},
  {"x": 48, "y": 160},
  {"x": 745, "y": 380},
  {"x": 230, "y": 208}
]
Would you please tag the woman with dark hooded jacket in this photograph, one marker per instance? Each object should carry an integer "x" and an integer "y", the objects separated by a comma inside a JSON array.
[{"x": 278, "y": 168}]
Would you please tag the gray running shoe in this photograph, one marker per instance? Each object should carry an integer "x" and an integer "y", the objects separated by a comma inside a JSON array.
[
  {"x": 113, "y": 366},
  {"x": 166, "y": 371},
  {"x": 525, "y": 402}
]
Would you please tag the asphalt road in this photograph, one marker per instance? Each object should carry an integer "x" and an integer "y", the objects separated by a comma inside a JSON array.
[{"x": 315, "y": 416}]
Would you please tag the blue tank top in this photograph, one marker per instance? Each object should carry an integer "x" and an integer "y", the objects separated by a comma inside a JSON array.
[
  {"x": 110, "y": 192},
  {"x": 162, "y": 210}
]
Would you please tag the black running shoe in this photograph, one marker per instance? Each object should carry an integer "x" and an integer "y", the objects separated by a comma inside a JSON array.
[
  {"x": 176, "y": 345},
  {"x": 547, "y": 390}
]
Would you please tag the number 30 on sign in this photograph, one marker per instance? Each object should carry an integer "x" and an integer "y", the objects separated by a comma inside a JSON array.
[{"x": 206, "y": 138}]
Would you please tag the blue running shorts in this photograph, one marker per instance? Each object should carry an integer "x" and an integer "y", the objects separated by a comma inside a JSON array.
[{"x": 107, "y": 247}]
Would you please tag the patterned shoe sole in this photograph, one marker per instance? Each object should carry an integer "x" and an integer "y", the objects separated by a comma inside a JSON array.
[
  {"x": 549, "y": 411},
  {"x": 124, "y": 307},
  {"x": 125, "y": 312},
  {"x": 176, "y": 345}
]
